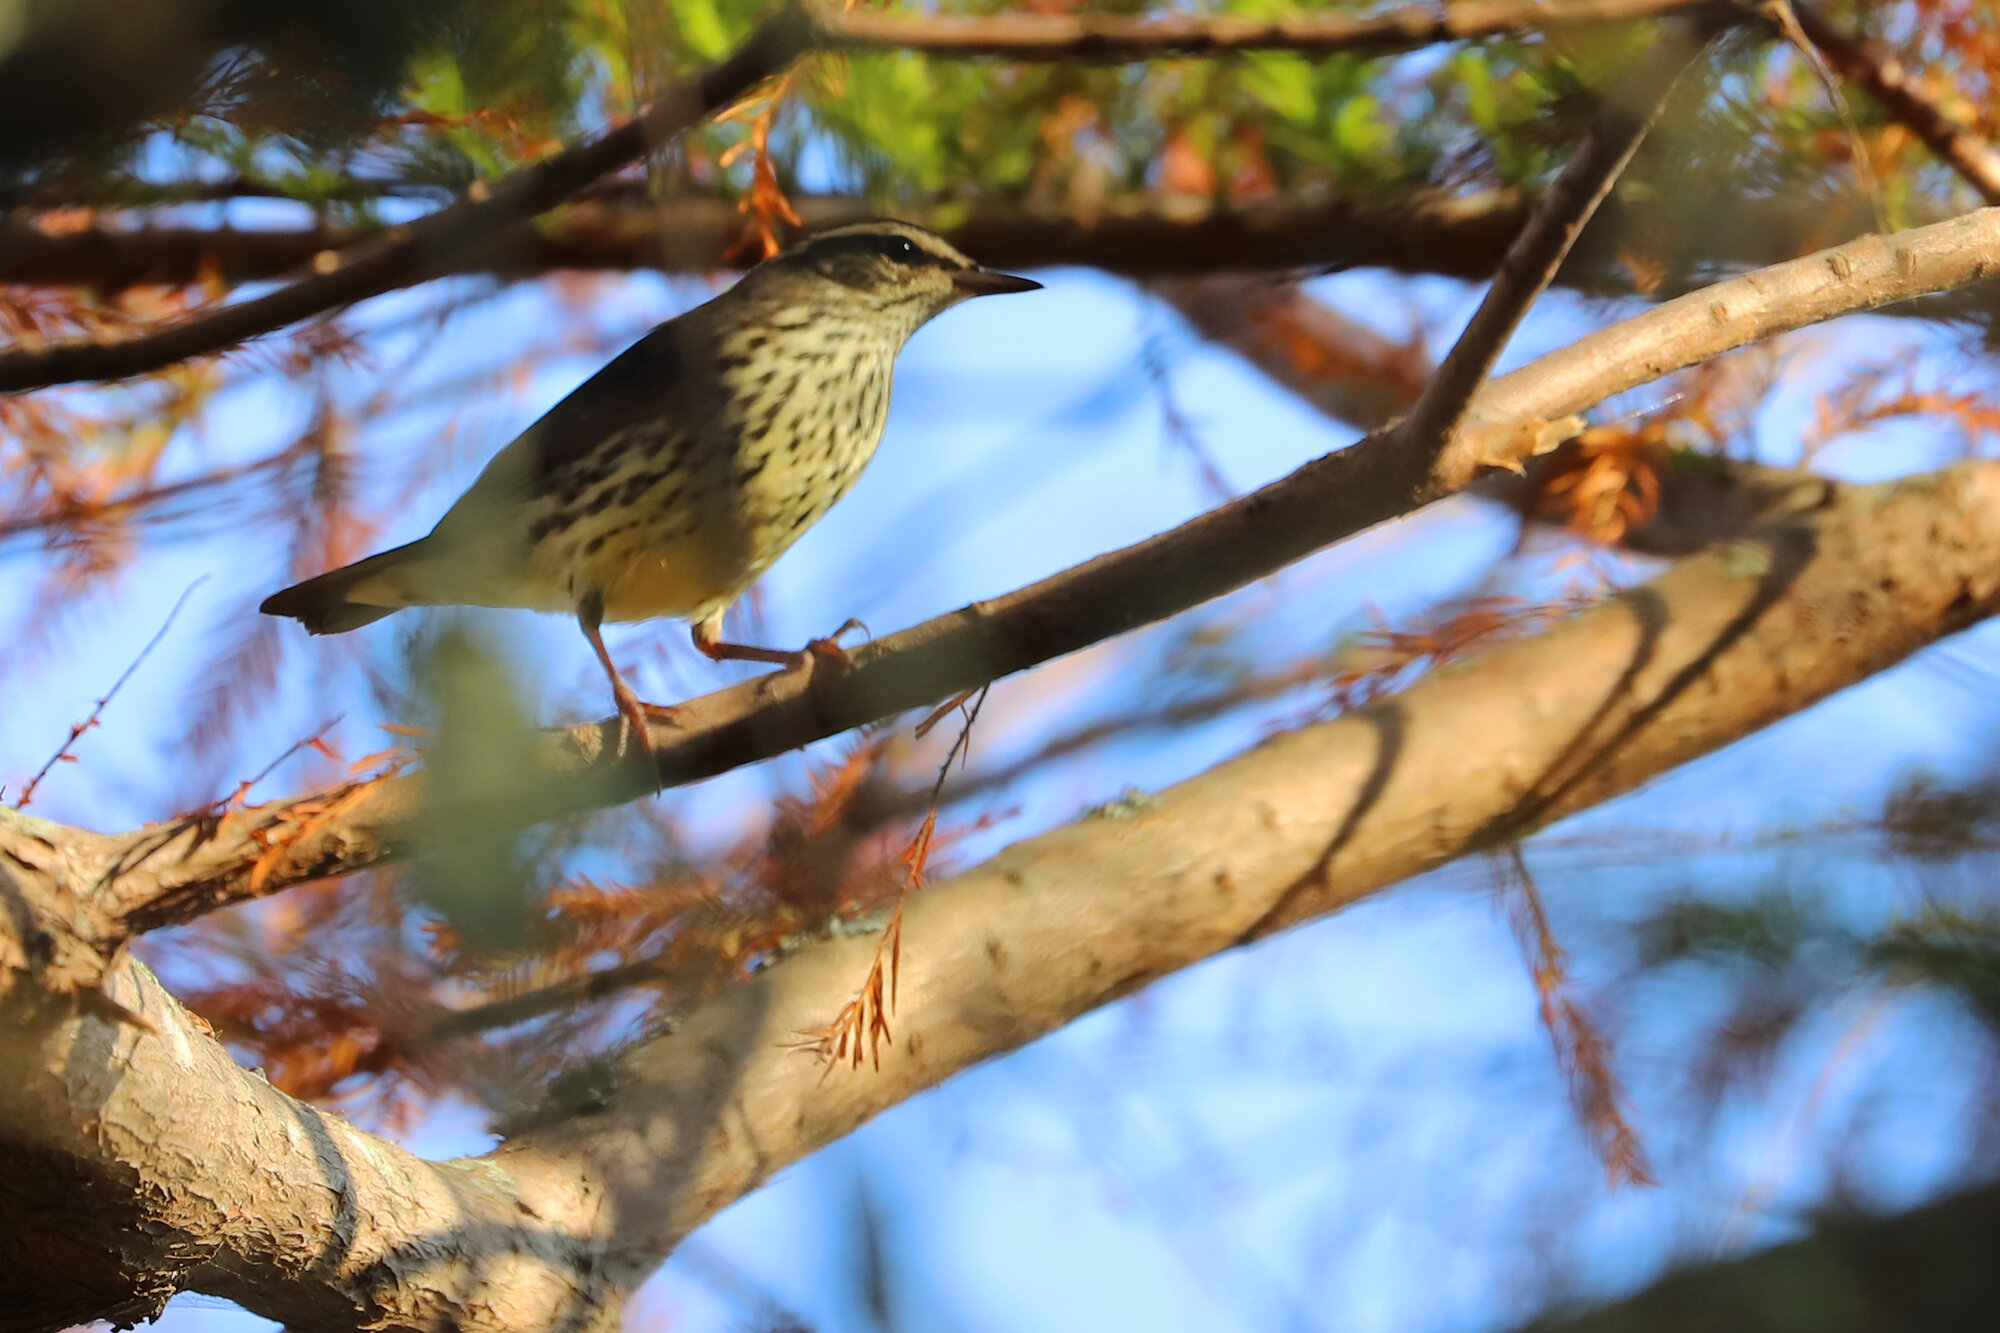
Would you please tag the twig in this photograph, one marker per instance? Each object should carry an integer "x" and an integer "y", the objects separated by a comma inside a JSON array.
[
  {"x": 1115, "y": 37},
  {"x": 412, "y": 251},
  {"x": 77, "y": 729},
  {"x": 1180, "y": 431},
  {"x": 1889, "y": 83},
  {"x": 243, "y": 788}
]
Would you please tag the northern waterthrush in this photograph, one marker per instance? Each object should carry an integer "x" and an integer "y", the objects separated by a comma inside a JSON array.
[{"x": 671, "y": 479}]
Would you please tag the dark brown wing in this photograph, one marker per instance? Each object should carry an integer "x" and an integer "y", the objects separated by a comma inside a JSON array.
[
  {"x": 641, "y": 386},
  {"x": 644, "y": 386}
]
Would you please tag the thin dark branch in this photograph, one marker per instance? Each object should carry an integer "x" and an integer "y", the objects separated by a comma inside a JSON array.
[
  {"x": 1415, "y": 231},
  {"x": 409, "y": 252},
  {"x": 133, "y": 192},
  {"x": 1118, "y": 37},
  {"x": 1424, "y": 229},
  {"x": 64, "y": 517},
  {"x": 77, "y": 729}
]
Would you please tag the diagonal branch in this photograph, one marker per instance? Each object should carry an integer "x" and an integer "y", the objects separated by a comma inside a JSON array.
[
  {"x": 1890, "y": 84},
  {"x": 1301, "y": 825},
  {"x": 176, "y": 871},
  {"x": 1559, "y": 217},
  {"x": 406, "y": 253},
  {"x": 228, "y": 1186}
]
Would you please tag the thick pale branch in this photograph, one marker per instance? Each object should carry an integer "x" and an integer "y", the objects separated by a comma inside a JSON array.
[
  {"x": 173, "y": 872},
  {"x": 141, "y": 1141},
  {"x": 1118, "y": 37},
  {"x": 1478, "y": 753},
  {"x": 1865, "y": 274}
]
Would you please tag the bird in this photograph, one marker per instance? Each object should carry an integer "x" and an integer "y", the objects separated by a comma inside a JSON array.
[{"x": 669, "y": 481}]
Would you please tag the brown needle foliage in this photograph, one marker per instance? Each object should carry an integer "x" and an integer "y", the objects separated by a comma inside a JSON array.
[{"x": 1581, "y": 1049}]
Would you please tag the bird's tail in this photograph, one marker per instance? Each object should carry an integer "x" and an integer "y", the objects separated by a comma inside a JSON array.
[{"x": 349, "y": 597}]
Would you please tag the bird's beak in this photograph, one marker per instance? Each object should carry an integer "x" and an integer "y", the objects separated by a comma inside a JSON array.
[{"x": 985, "y": 282}]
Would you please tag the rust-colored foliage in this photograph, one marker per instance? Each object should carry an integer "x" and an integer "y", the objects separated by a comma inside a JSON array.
[
  {"x": 303, "y": 819},
  {"x": 1878, "y": 395},
  {"x": 1383, "y": 658},
  {"x": 1964, "y": 86},
  {"x": 335, "y": 1002},
  {"x": 1607, "y": 481},
  {"x": 764, "y": 203},
  {"x": 864, "y": 1020},
  {"x": 1583, "y": 1052}
]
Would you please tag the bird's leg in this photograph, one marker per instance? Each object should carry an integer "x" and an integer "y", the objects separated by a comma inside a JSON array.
[
  {"x": 708, "y": 638},
  {"x": 632, "y": 714}
]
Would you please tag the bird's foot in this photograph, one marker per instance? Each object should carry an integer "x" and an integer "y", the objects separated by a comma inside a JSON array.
[
  {"x": 829, "y": 649},
  {"x": 635, "y": 717}
]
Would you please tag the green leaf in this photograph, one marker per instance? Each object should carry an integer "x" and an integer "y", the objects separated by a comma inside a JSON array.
[
  {"x": 701, "y": 27},
  {"x": 1282, "y": 83},
  {"x": 437, "y": 85}
]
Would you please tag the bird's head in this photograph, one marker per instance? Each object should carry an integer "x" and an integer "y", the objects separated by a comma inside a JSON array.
[{"x": 882, "y": 269}]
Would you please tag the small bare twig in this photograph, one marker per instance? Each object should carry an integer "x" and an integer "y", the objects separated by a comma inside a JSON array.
[
  {"x": 1787, "y": 17},
  {"x": 1181, "y": 431},
  {"x": 77, "y": 729}
]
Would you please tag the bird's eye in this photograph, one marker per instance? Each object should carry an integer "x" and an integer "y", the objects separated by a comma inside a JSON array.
[{"x": 906, "y": 248}]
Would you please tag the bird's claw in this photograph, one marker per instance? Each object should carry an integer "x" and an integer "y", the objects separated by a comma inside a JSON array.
[
  {"x": 635, "y": 717},
  {"x": 829, "y": 649}
]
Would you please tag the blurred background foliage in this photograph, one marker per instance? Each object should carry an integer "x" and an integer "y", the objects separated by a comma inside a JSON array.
[{"x": 1790, "y": 952}]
